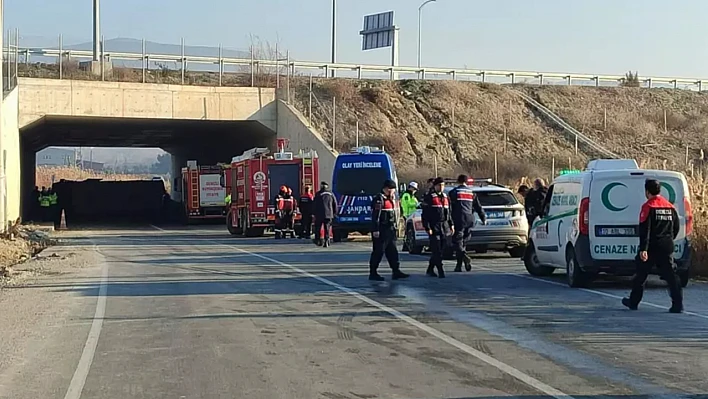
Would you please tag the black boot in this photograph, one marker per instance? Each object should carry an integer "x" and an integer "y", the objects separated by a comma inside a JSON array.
[
  {"x": 398, "y": 274},
  {"x": 676, "y": 308},
  {"x": 430, "y": 271},
  {"x": 441, "y": 272},
  {"x": 326, "y": 243},
  {"x": 374, "y": 275},
  {"x": 628, "y": 304}
]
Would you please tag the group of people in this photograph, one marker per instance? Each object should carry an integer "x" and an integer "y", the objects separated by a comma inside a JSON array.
[
  {"x": 315, "y": 209},
  {"x": 534, "y": 199},
  {"x": 443, "y": 215},
  {"x": 45, "y": 206}
]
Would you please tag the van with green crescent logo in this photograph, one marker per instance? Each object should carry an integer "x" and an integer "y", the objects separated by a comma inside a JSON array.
[{"x": 591, "y": 218}]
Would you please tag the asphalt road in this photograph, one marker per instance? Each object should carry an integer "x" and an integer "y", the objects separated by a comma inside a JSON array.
[{"x": 144, "y": 313}]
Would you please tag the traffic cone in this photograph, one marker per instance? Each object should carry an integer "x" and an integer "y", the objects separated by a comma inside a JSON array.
[{"x": 62, "y": 223}]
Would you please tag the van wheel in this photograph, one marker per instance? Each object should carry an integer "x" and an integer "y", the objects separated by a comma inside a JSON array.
[
  {"x": 683, "y": 276},
  {"x": 533, "y": 266},
  {"x": 576, "y": 277}
]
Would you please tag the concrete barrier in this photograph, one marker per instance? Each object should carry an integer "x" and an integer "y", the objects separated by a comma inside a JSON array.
[
  {"x": 9, "y": 160},
  {"x": 292, "y": 125}
]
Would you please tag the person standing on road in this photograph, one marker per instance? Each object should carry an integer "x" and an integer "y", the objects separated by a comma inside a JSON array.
[
  {"x": 284, "y": 208},
  {"x": 658, "y": 228},
  {"x": 437, "y": 222},
  {"x": 409, "y": 203},
  {"x": 383, "y": 234},
  {"x": 463, "y": 205},
  {"x": 534, "y": 199},
  {"x": 44, "y": 205},
  {"x": 325, "y": 210},
  {"x": 306, "y": 211}
]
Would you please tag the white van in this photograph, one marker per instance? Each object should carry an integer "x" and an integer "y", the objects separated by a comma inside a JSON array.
[{"x": 591, "y": 219}]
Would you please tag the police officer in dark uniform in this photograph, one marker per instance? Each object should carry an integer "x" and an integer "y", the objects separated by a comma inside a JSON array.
[
  {"x": 658, "y": 228},
  {"x": 463, "y": 205},
  {"x": 325, "y": 211},
  {"x": 306, "y": 211},
  {"x": 437, "y": 222},
  {"x": 384, "y": 207}
]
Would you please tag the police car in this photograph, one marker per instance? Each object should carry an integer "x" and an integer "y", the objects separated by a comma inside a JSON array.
[
  {"x": 590, "y": 221},
  {"x": 506, "y": 228}
]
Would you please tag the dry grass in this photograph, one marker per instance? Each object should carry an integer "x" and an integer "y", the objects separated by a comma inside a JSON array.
[{"x": 44, "y": 176}]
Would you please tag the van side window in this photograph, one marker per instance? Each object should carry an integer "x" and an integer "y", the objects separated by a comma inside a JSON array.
[{"x": 547, "y": 202}]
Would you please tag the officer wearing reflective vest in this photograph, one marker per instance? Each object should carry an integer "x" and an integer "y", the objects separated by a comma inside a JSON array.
[
  {"x": 385, "y": 224},
  {"x": 438, "y": 224},
  {"x": 464, "y": 204},
  {"x": 284, "y": 211},
  {"x": 659, "y": 226},
  {"x": 54, "y": 212},
  {"x": 44, "y": 204},
  {"x": 409, "y": 203}
]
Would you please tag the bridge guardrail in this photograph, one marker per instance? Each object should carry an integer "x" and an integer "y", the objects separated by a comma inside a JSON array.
[{"x": 359, "y": 69}]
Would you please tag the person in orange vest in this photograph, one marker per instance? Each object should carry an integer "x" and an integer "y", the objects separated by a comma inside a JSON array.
[
  {"x": 306, "y": 207},
  {"x": 284, "y": 211}
]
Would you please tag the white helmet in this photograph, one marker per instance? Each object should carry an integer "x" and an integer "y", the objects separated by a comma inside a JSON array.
[{"x": 413, "y": 184}]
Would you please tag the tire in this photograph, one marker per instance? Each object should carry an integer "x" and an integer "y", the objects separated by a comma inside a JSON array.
[
  {"x": 532, "y": 265},
  {"x": 576, "y": 277},
  {"x": 684, "y": 277},
  {"x": 517, "y": 252},
  {"x": 232, "y": 230},
  {"x": 413, "y": 249}
]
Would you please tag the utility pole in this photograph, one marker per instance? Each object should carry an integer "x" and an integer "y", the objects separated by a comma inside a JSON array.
[
  {"x": 420, "y": 19},
  {"x": 96, "y": 30},
  {"x": 334, "y": 34}
]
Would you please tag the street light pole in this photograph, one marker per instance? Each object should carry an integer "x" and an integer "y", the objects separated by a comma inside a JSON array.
[
  {"x": 96, "y": 30},
  {"x": 420, "y": 18},
  {"x": 334, "y": 34}
]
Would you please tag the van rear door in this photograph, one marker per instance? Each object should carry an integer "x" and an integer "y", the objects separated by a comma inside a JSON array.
[{"x": 616, "y": 198}]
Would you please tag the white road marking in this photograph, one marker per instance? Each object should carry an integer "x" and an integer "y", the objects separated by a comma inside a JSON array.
[
  {"x": 82, "y": 369},
  {"x": 596, "y": 292},
  {"x": 501, "y": 366}
]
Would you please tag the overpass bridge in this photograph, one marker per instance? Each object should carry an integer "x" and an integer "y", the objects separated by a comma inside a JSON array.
[{"x": 209, "y": 124}]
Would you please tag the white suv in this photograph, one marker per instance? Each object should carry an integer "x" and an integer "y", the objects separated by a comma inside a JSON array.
[{"x": 506, "y": 228}]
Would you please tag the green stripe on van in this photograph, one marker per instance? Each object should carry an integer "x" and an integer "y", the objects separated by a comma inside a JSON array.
[{"x": 547, "y": 219}]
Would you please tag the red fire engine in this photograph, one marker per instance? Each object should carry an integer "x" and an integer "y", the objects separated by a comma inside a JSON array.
[
  {"x": 202, "y": 193},
  {"x": 256, "y": 178}
]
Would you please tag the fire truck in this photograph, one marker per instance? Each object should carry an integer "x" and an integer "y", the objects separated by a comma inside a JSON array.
[
  {"x": 202, "y": 193},
  {"x": 256, "y": 176}
]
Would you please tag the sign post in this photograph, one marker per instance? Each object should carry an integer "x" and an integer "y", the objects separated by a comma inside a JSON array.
[{"x": 379, "y": 32}]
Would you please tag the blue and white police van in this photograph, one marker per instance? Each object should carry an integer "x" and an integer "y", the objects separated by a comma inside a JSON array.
[{"x": 357, "y": 177}]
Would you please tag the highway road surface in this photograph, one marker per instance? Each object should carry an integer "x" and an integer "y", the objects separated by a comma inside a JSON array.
[{"x": 194, "y": 313}]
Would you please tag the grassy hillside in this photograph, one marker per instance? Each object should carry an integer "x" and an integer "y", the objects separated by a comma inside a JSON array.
[{"x": 461, "y": 124}]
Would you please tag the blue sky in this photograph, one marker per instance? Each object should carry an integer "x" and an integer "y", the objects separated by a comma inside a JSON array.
[{"x": 660, "y": 38}]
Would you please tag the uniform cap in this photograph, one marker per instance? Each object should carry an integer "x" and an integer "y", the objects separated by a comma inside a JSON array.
[
  {"x": 413, "y": 184},
  {"x": 388, "y": 183},
  {"x": 438, "y": 180}
]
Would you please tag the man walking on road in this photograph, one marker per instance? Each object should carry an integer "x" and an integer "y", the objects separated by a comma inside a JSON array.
[
  {"x": 306, "y": 211},
  {"x": 325, "y": 210},
  {"x": 658, "y": 228},
  {"x": 384, "y": 233},
  {"x": 464, "y": 204},
  {"x": 437, "y": 222}
]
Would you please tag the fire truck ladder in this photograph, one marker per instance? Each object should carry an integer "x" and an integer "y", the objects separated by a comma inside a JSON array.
[
  {"x": 308, "y": 173},
  {"x": 194, "y": 187}
]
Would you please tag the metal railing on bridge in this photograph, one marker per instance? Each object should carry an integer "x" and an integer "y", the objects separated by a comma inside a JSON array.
[{"x": 253, "y": 64}]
